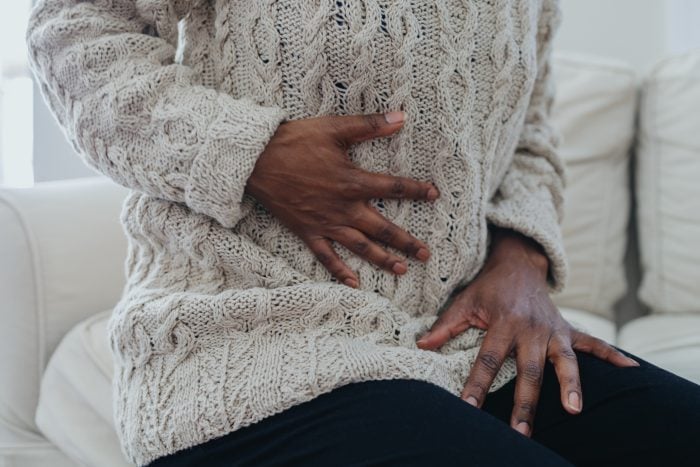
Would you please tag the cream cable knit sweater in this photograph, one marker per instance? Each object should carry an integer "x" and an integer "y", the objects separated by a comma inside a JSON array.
[{"x": 227, "y": 318}]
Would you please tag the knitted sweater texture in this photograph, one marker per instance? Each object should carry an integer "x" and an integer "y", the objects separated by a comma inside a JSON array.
[{"x": 227, "y": 317}]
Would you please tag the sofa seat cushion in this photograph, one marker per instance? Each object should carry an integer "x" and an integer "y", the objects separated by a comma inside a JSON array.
[
  {"x": 27, "y": 449},
  {"x": 670, "y": 341},
  {"x": 590, "y": 323},
  {"x": 75, "y": 400}
]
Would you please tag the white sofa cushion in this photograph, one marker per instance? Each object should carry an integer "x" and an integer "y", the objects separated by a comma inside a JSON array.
[
  {"x": 594, "y": 111},
  {"x": 19, "y": 448},
  {"x": 75, "y": 403},
  {"x": 590, "y": 323},
  {"x": 670, "y": 341},
  {"x": 668, "y": 186},
  {"x": 62, "y": 251}
]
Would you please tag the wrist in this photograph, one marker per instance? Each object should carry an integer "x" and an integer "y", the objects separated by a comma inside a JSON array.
[{"x": 512, "y": 246}]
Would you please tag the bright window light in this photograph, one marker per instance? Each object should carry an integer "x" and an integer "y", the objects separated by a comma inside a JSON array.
[{"x": 16, "y": 103}]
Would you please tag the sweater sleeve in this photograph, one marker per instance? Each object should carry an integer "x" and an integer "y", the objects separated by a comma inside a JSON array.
[
  {"x": 530, "y": 197},
  {"x": 107, "y": 71}
]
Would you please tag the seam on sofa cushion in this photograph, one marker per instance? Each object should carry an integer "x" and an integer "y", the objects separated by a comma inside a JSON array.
[
  {"x": 84, "y": 334},
  {"x": 40, "y": 307}
]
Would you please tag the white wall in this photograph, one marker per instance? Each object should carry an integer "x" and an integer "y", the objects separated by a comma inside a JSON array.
[
  {"x": 683, "y": 19},
  {"x": 640, "y": 32},
  {"x": 15, "y": 97},
  {"x": 54, "y": 157}
]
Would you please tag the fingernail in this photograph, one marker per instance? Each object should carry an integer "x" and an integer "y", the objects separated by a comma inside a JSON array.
[
  {"x": 523, "y": 428},
  {"x": 399, "y": 268},
  {"x": 574, "y": 401},
  {"x": 472, "y": 400},
  {"x": 423, "y": 340},
  {"x": 432, "y": 194},
  {"x": 423, "y": 254},
  {"x": 351, "y": 283},
  {"x": 395, "y": 117},
  {"x": 634, "y": 362}
]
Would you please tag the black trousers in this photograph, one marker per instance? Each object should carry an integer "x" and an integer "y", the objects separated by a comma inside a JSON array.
[{"x": 641, "y": 416}]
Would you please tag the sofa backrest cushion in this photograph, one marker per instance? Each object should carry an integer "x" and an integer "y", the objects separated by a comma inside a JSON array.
[
  {"x": 668, "y": 185},
  {"x": 594, "y": 111},
  {"x": 63, "y": 252}
]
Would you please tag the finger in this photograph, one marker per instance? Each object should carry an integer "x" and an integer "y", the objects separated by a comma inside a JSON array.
[
  {"x": 377, "y": 226},
  {"x": 355, "y": 128},
  {"x": 324, "y": 252},
  {"x": 358, "y": 243},
  {"x": 449, "y": 324},
  {"x": 386, "y": 186},
  {"x": 563, "y": 357},
  {"x": 530, "y": 361},
  {"x": 489, "y": 361},
  {"x": 601, "y": 349}
]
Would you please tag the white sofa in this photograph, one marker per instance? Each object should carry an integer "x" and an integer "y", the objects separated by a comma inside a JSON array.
[{"x": 62, "y": 253}]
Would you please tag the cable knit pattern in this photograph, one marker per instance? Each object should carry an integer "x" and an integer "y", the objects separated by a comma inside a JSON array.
[{"x": 227, "y": 317}]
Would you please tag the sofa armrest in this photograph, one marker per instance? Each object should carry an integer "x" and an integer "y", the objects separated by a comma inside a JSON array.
[{"x": 63, "y": 252}]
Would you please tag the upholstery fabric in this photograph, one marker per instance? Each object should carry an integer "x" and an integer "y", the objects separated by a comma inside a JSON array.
[
  {"x": 595, "y": 111},
  {"x": 667, "y": 185}
]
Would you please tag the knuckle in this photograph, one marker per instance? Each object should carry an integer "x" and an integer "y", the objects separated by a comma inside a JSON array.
[
  {"x": 337, "y": 128},
  {"x": 386, "y": 233},
  {"x": 351, "y": 186},
  {"x": 340, "y": 142},
  {"x": 572, "y": 381},
  {"x": 347, "y": 237},
  {"x": 355, "y": 216},
  {"x": 338, "y": 272},
  {"x": 567, "y": 353},
  {"x": 412, "y": 247},
  {"x": 489, "y": 359},
  {"x": 532, "y": 372},
  {"x": 477, "y": 388},
  {"x": 532, "y": 321},
  {"x": 360, "y": 246},
  {"x": 526, "y": 408},
  {"x": 324, "y": 258},
  {"x": 398, "y": 187},
  {"x": 372, "y": 121},
  {"x": 337, "y": 122},
  {"x": 595, "y": 342},
  {"x": 608, "y": 351},
  {"x": 386, "y": 262},
  {"x": 339, "y": 233},
  {"x": 583, "y": 345}
]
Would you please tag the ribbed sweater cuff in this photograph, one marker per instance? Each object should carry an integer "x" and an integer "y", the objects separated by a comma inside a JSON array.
[
  {"x": 235, "y": 139},
  {"x": 535, "y": 217}
]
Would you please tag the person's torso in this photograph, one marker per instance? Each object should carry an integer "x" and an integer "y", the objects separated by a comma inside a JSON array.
[{"x": 462, "y": 70}]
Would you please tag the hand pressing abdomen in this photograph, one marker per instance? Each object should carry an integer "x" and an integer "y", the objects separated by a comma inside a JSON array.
[{"x": 306, "y": 179}]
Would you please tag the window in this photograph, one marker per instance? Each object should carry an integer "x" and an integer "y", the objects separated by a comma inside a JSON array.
[{"x": 16, "y": 102}]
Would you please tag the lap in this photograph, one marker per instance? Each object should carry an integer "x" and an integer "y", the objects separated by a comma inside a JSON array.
[
  {"x": 631, "y": 416},
  {"x": 382, "y": 422}
]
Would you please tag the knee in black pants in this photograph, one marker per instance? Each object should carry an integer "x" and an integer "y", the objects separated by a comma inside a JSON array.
[{"x": 631, "y": 416}]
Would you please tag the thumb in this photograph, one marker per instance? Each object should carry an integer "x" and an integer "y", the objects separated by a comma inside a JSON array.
[
  {"x": 448, "y": 325},
  {"x": 354, "y": 128}
]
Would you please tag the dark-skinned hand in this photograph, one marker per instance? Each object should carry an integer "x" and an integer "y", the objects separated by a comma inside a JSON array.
[
  {"x": 305, "y": 178},
  {"x": 510, "y": 299}
]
